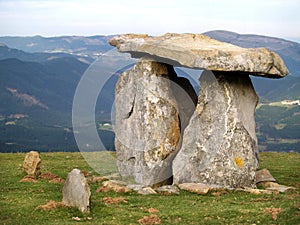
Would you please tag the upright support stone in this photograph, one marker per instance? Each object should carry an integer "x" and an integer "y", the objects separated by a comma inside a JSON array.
[
  {"x": 220, "y": 145},
  {"x": 147, "y": 123}
]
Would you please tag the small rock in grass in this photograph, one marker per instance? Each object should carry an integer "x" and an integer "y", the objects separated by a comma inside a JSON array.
[
  {"x": 31, "y": 164},
  {"x": 273, "y": 186},
  {"x": 258, "y": 191},
  {"x": 147, "y": 191},
  {"x": 76, "y": 191},
  {"x": 263, "y": 175},
  {"x": 195, "y": 187},
  {"x": 135, "y": 187},
  {"x": 113, "y": 185}
]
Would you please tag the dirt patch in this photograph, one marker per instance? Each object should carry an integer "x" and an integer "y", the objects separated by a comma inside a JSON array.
[
  {"x": 95, "y": 179},
  {"x": 152, "y": 210},
  {"x": 150, "y": 220},
  {"x": 86, "y": 173},
  {"x": 57, "y": 180},
  {"x": 115, "y": 189},
  {"x": 48, "y": 176},
  {"x": 264, "y": 199},
  {"x": 53, "y": 178},
  {"x": 102, "y": 189},
  {"x": 273, "y": 211},
  {"x": 28, "y": 178},
  {"x": 219, "y": 192},
  {"x": 117, "y": 200},
  {"x": 51, "y": 205}
]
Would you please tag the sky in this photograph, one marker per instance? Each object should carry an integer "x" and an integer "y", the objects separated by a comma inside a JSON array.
[{"x": 277, "y": 18}]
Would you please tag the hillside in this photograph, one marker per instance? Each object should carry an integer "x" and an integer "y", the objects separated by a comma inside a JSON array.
[
  {"x": 76, "y": 45},
  {"x": 6, "y": 53},
  {"x": 36, "y": 104},
  {"x": 39, "y": 76}
]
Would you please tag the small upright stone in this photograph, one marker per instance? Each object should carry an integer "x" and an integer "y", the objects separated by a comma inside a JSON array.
[
  {"x": 32, "y": 163},
  {"x": 264, "y": 175},
  {"x": 76, "y": 191}
]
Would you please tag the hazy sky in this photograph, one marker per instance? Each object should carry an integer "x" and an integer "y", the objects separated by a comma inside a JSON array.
[{"x": 280, "y": 18}]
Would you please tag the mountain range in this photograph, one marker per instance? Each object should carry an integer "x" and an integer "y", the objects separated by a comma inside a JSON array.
[{"x": 39, "y": 76}]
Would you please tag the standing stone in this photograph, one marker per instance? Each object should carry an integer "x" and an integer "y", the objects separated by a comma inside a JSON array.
[
  {"x": 220, "y": 145},
  {"x": 76, "y": 191},
  {"x": 31, "y": 164},
  {"x": 147, "y": 123}
]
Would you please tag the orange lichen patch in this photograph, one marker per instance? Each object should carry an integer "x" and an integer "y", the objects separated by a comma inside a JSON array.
[
  {"x": 109, "y": 200},
  {"x": 51, "y": 205},
  {"x": 239, "y": 161},
  {"x": 150, "y": 220}
]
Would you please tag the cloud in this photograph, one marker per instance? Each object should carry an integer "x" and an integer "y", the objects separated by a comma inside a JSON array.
[{"x": 53, "y": 17}]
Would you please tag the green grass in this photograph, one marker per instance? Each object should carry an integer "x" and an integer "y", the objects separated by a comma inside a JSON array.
[{"x": 18, "y": 201}]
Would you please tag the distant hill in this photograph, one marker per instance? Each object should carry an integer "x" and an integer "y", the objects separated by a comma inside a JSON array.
[
  {"x": 52, "y": 82},
  {"x": 6, "y": 52},
  {"x": 76, "y": 45}
]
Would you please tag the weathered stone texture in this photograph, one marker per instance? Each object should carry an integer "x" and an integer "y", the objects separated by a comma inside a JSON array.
[
  {"x": 200, "y": 51},
  {"x": 31, "y": 164},
  {"x": 147, "y": 123},
  {"x": 219, "y": 144},
  {"x": 76, "y": 191}
]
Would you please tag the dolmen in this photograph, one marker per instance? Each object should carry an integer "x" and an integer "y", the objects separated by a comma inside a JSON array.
[{"x": 165, "y": 133}]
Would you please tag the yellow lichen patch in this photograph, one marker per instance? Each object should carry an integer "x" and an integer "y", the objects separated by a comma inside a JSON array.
[{"x": 239, "y": 161}]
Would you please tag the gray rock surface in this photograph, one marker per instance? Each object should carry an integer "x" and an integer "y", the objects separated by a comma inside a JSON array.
[
  {"x": 147, "y": 191},
  {"x": 219, "y": 145},
  {"x": 200, "y": 51},
  {"x": 147, "y": 126},
  {"x": 31, "y": 164},
  {"x": 273, "y": 186},
  {"x": 168, "y": 189},
  {"x": 195, "y": 187},
  {"x": 264, "y": 175},
  {"x": 76, "y": 191}
]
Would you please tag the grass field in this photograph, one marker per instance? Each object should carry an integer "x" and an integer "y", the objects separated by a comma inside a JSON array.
[{"x": 19, "y": 200}]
